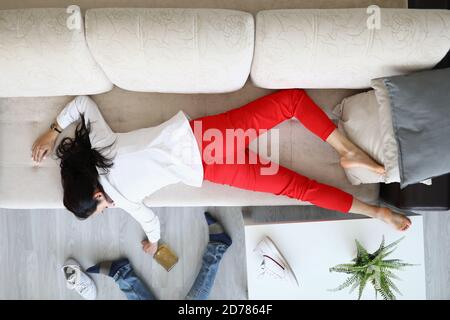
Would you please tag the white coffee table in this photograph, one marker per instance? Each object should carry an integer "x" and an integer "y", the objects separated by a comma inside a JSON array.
[{"x": 313, "y": 247}]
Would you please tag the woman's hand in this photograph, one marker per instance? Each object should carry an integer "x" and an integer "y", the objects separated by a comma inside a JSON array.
[
  {"x": 149, "y": 247},
  {"x": 43, "y": 145}
]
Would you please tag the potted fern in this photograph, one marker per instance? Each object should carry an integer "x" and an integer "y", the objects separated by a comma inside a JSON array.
[{"x": 372, "y": 268}]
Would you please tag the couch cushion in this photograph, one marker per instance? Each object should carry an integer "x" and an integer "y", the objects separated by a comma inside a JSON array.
[
  {"x": 334, "y": 48},
  {"x": 360, "y": 122},
  {"x": 41, "y": 56},
  {"x": 23, "y": 119},
  {"x": 172, "y": 50}
]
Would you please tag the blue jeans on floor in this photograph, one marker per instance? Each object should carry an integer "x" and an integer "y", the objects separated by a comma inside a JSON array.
[
  {"x": 204, "y": 282},
  {"x": 131, "y": 284},
  {"x": 135, "y": 289}
]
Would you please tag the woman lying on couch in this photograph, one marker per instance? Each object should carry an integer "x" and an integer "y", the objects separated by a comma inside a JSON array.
[{"x": 102, "y": 169}]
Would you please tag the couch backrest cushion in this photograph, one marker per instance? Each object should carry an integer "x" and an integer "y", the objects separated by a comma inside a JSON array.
[
  {"x": 335, "y": 48},
  {"x": 172, "y": 50},
  {"x": 41, "y": 56}
]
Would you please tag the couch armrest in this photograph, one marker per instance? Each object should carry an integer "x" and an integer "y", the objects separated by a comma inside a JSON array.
[{"x": 418, "y": 196}]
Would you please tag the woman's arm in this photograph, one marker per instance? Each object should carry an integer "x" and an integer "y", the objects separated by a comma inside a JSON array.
[
  {"x": 44, "y": 144},
  {"x": 150, "y": 223},
  {"x": 139, "y": 211},
  {"x": 100, "y": 136}
]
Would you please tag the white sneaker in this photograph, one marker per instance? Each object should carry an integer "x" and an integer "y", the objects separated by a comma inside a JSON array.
[
  {"x": 78, "y": 280},
  {"x": 273, "y": 264}
]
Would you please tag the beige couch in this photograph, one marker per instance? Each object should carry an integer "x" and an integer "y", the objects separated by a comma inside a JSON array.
[{"x": 131, "y": 59}]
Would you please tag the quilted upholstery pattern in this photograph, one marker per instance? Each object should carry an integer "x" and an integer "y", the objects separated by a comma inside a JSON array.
[
  {"x": 172, "y": 50},
  {"x": 334, "y": 48},
  {"x": 41, "y": 56}
]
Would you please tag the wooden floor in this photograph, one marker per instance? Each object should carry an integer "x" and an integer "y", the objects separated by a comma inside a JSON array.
[{"x": 34, "y": 245}]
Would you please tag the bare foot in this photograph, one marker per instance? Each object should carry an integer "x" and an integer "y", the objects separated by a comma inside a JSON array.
[
  {"x": 397, "y": 220},
  {"x": 359, "y": 159}
]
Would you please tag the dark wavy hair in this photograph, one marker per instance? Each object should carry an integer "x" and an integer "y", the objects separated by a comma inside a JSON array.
[{"x": 79, "y": 174}]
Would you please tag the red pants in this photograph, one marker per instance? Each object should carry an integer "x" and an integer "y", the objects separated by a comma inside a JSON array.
[{"x": 265, "y": 113}]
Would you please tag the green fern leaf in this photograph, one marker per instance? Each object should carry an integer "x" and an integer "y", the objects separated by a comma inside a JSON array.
[
  {"x": 392, "y": 245},
  {"x": 386, "y": 291},
  {"x": 381, "y": 247},
  {"x": 393, "y": 286},
  {"x": 362, "y": 253},
  {"x": 347, "y": 283},
  {"x": 354, "y": 286},
  {"x": 362, "y": 285}
]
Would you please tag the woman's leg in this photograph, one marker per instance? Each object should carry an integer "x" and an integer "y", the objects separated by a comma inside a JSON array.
[
  {"x": 268, "y": 111},
  {"x": 397, "y": 220},
  {"x": 289, "y": 183},
  {"x": 351, "y": 155},
  {"x": 284, "y": 182}
]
